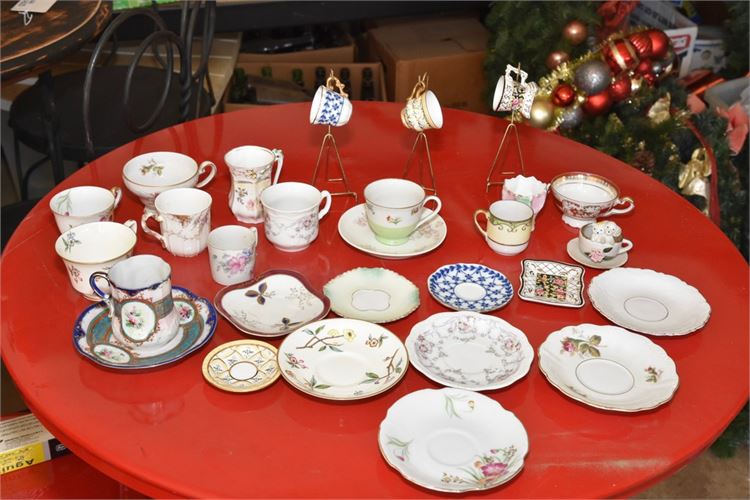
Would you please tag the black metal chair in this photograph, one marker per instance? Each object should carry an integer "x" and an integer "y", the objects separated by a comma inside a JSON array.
[{"x": 105, "y": 106}]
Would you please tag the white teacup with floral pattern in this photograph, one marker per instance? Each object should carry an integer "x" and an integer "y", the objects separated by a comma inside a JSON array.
[
  {"x": 602, "y": 241},
  {"x": 292, "y": 213},
  {"x": 140, "y": 303},
  {"x": 231, "y": 253},
  {"x": 251, "y": 170},
  {"x": 95, "y": 246},
  {"x": 83, "y": 204},
  {"x": 184, "y": 216}
]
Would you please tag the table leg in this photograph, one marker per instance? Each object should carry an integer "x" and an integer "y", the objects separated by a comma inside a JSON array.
[{"x": 52, "y": 126}]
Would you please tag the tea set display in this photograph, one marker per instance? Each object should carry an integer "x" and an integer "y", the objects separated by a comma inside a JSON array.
[{"x": 453, "y": 439}]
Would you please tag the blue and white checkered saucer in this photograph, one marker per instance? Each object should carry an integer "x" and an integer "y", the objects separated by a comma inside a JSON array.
[{"x": 470, "y": 287}]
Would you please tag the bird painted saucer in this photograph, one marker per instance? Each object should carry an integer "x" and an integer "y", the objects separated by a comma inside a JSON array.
[
  {"x": 470, "y": 287},
  {"x": 241, "y": 366},
  {"x": 92, "y": 334},
  {"x": 575, "y": 253}
]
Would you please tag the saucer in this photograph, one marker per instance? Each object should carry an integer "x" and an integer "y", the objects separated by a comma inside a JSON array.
[
  {"x": 241, "y": 366},
  {"x": 575, "y": 253},
  {"x": 470, "y": 287},
  {"x": 92, "y": 334},
  {"x": 551, "y": 282},
  {"x": 354, "y": 230},
  {"x": 372, "y": 294}
]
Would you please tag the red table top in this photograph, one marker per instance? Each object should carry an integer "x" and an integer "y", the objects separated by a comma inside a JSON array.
[{"x": 166, "y": 432}]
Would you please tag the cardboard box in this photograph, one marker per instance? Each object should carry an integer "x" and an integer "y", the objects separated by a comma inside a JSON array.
[
  {"x": 451, "y": 50},
  {"x": 283, "y": 71},
  {"x": 344, "y": 54},
  {"x": 681, "y": 30},
  {"x": 24, "y": 442}
]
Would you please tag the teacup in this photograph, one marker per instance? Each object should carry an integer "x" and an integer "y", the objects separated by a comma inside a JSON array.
[
  {"x": 584, "y": 197},
  {"x": 231, "y": 253},
  {"x": 602, "y": 241},
  {"x": 251, "y": 168},
  {"x": 95, "y": 246},
  {"x": 422, "y": 112},
  {"x": 150, "y": 174},
  {"x": 292, "y": 211},
  {"x": 512, "y": 95},
  {"x": 330, "y": 108},
  {"x": 184, "y": 216},
  {"x": 140, "y": 303},
  {"x": 394, "y": 209},
  {"x": 527, "y": 190},
  {"x": 509, "y": 226},
  {"x": 84, "y": 204}
]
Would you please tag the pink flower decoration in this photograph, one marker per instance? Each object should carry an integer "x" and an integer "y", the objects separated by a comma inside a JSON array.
[
  {"x": 237, "y": 264},
  {"x": 596, "y": 256},
  {"x": 568, "y": 346},
  {"x": 491, "y": 471},
  {"x": 737, "y": 126}
]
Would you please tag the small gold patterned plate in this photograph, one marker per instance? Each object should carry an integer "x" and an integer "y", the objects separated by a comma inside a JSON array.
[{"x": 241, "y": 366}]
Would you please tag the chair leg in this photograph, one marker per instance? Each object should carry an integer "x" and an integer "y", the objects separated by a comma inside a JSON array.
[
  {"x": 6, "y": 165},
  {"x": 22, "y": 188},
  {"x": 51, "y": 126}
]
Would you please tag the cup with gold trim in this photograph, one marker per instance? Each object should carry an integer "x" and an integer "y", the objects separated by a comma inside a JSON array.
[
  {"x": 83, "y": 204},
  {"x": 422, "y": 111},
  {"x": 509, "y": 226}
]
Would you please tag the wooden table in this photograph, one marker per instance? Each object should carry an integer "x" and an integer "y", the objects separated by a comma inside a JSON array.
[{"x": 166, "y": 432}]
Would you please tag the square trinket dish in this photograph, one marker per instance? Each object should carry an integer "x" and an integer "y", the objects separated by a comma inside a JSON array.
[{"x": 550, "y": 282}]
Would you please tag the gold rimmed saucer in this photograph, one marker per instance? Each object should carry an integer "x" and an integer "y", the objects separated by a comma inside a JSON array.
[{"x": 241, "y": 366}]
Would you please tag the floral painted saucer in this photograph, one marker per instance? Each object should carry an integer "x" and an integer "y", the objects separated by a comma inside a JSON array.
[
  {"x": 551, "y": 282},
  {"x": 342, "y": 359},
  {"x": 92, "y": 334},
  {"x": 354, "y": 230},
  {"x": 649, "y": 302},
  {"x": 468, "y": 350},
  {"x": 273, "y": 304},
  {"x": 608, "y": 367},
  {"x": 575, "y": 253},
  {"x": 470, "y": 287},
  {"x": 241, "y": 366},
  {"x": 453, "y": 440},
  {"x": 372, "y": 294}
]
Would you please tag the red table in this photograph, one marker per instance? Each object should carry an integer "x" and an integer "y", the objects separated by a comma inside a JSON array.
[{"x": 166, "y": 432}]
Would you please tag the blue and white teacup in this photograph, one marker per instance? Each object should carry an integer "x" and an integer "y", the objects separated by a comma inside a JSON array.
[
  {"x": 330, "y": 108},
  {"x": 140, "y": 303}
]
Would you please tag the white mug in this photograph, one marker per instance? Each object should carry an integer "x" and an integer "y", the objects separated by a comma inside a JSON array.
[
  {"x": 84, "y": 204},
  {"x": 231, "y": 253},
  {"x": 293, "y": 213},
  {"x": 394, "y": 209},
  {"x": 330, "y": 108},
  {"x": 251, "y": 169},
  {"x": 184, "y": 216}
]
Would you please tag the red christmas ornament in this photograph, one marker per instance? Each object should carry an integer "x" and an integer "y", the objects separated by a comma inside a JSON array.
[
  {"x": 563, "y": 95},
  {"x": 641, "y": 43},
  {"x": 597, "y": 104},
  {"x": 620, "y": 55},
  {"x": 575, "y": 32},
  {"x": 556, "y": 58},
  {"x": 620, "y": 88},
  {"x": 660, "y": 43},
  {"x": 645, "y": 69}
]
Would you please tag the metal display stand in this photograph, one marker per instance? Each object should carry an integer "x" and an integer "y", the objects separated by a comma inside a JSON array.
[{"x": 419, "y": 89}]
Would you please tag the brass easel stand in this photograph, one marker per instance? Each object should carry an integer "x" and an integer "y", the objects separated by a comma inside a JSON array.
[
  {"x": 514, "y": 117},
  {"x": 423, "y": 137},
  {"x": 328, "y": 141}
]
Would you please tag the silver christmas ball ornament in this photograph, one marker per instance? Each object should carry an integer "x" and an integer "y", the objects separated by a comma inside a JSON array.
[
  {"x": 593, "y": 77},
  {"x": 571, "y": 117}
]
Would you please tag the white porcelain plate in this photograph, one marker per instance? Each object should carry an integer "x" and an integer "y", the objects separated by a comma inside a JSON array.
[
  {"x": 241, "y": 366},
  {"x": 453, "y": 440},
  {"x": 608, "y": 367},
  {"x": 468, "y": 350},
  {"x": 354, "y": 230},
  {"x": 372, "y": 294},
  {"x": 273, "y": 304},
  {"x": 551, "y": 282},
  {"x": 342, "y": 359},
  {"x": 649, "y": 302},
  {"x": 470, "y": 287},
  {"x": 575, "y": 253}
]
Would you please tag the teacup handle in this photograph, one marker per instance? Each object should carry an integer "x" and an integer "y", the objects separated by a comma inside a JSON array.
[
  {"x": 202, "y": 168},
  {"x": 132, "y": 225},
  {"x": 117, "y": 193},
  {"x": 327, "y": 197},
  {"x": 427, "y": 218},
  {"x": 615, "y": 211},
  {"x": 279, "y": 155},
  {"x": 476, "y": 222},
  {"x": 148, "y": 214},
  {"x": 106, "y": 297},
  {"x": 625, "y": 246}
]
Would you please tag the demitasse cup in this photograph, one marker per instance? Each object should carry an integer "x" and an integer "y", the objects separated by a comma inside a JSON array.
[
  {"x": 251, "y": 170},
  {"x": 509, "y": 226},
  {"x": 394, "y": 209},
  {"x": 140, "y": 303},
  {"x": 84, "y": 204},
  {"x": 292, "y": 211},
  {"x": 231, "y": 253},
  {"x": 422, "y": 112},
  {"x": 184, "y": 216},
  {"x": 150, "y": 174},
  {"x": 95, "y": 246},
  {"x": 330, "y": 108},
  {"x": 602, "y": 241}
]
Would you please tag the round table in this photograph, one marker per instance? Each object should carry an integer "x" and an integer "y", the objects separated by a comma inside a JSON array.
[{"x": 166, "y": 432}]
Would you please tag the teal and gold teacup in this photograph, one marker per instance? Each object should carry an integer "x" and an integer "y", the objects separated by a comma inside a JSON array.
[{"x": 394, "y": 209}]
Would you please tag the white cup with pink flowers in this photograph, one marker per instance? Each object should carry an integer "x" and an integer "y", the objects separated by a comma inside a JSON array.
[{"x": 231, "y": 253}]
